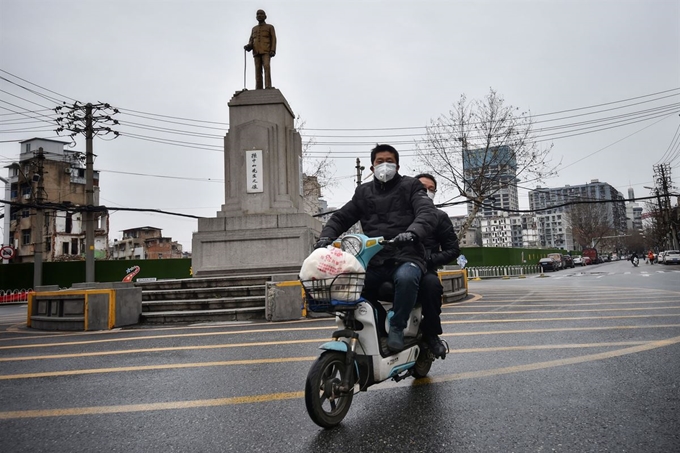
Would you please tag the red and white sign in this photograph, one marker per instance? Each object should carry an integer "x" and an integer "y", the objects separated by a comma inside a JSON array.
[{"x": 7, "y": 252}]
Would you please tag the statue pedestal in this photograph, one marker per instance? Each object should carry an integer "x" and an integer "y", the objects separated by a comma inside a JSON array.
[
  {"x": 261, "y": 227},
  {"x": 253, "y": 244}
]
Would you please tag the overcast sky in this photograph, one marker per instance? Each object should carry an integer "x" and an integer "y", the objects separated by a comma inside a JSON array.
[{"x": 366, "y": 66}]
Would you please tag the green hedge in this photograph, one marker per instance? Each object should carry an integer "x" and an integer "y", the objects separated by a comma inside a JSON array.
[
  {"x": 500, "y": 256},
  {"x": 65, "y": 274}
]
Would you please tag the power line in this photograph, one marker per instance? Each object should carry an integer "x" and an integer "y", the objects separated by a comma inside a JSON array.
[
  {"x": 214, "y": 148},
  {"x": 34, "y": 84},
  {"x": 90, "y": 208},
  {"x": 186, "y": 178},
  {"x": 123, "y": 110}
]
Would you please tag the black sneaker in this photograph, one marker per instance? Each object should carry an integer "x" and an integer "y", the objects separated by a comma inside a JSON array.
[{"x": 436, "y": 346}]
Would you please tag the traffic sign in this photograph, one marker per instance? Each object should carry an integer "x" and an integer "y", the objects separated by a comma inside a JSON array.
[{"x": 7, "y": 252}]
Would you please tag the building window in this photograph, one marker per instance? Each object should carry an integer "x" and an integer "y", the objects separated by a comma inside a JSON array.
[
  {"x": 74, "y": 246},
  {"x": 25, "y": 237},
  {"x": 25, "y": 213},
  {"x": 14, "y": 191},
  {"x": 69, "y": 222},
  {"x": 28, "y": 147},
  {"x": 64, "y": 248}
]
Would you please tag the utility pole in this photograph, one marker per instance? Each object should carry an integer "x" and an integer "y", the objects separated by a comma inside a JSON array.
[
  {"x": 39, "y": 243},
  {"x": 89, "y": 196},
  {"x": 666, "y": 184},
  {"x": 663, "y": 185},
  {"x": 359, "y": 170},
  {"x": 86, "y": 119}
]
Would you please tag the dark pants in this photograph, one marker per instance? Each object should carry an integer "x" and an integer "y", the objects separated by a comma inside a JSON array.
[
  {"x": 406, "y": 280},
  {"x": 262, "y": 62},
  {"x": 430, "y": 299}
]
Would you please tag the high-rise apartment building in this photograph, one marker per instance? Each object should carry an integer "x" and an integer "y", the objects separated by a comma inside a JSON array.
[
  {"x": 633, "y": 213},
  {"x": 552, "y": 206},
  {"x": 499, "y": 165}
]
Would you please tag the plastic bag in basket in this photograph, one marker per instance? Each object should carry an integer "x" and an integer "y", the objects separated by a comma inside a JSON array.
[{"x": 326, "y": 264}]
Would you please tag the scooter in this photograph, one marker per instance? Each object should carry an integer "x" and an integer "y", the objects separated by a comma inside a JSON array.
[{"x": 357, "y": 357}]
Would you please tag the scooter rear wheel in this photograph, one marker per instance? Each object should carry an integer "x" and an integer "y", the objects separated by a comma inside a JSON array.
[
  {"x": 423, "y": 364},
  {"x": 326, "y": 405}
]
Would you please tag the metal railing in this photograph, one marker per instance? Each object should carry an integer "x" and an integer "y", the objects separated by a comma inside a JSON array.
[
  {"x": 503, "y": 271},
  {"x": 14, "y": 295}
]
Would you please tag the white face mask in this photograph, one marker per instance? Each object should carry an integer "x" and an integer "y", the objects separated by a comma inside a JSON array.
[
  {"x": 385, "y": 171},
  {"x": 431, "y": 195}
]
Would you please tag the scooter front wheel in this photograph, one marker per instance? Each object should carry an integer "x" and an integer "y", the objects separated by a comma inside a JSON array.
[{"x": 326, "y": 405}]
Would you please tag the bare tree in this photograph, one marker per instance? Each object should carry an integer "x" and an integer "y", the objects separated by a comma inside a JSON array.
[
  {"x": 590, "y": 223},
  {"x": 317, "y": 172},
  {"x": 635, "y": 242},
  {"x": 480, "y": 147}
]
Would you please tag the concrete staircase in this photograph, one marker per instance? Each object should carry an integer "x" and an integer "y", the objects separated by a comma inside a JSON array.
[{"x": 227, "y": 298}]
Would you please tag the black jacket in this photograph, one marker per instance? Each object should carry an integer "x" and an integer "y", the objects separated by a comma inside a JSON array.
[
  {"x": 442, "y": 245},
  {"x": 387, "y": 209}
]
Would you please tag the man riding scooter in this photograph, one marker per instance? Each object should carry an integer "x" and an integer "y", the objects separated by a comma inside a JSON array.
[
  {"x": 395, "y": 207},
  {"x": 634, "y": 259}
]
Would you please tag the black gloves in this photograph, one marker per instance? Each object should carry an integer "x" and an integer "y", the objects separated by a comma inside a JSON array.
[
  {"x": 323, "y": 242},
  {"x": 406, "y": 236}
]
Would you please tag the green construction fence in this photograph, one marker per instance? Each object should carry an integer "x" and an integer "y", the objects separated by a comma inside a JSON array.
[{"x": 65, "y": 274}]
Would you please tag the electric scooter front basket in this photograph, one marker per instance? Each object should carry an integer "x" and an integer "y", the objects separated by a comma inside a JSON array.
[{"x": 342, "y": 292}]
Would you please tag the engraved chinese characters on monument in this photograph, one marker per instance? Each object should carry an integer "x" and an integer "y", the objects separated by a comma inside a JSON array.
[{"x": 254, "y": 171}]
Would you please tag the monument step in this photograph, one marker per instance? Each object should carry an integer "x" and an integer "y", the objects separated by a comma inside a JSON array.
[
  {"x": 234, "y": 314},
  {"x": 203, "y": 293},
  {"x": 190, "y": 305},
  {"x": 205, "y": 282}
]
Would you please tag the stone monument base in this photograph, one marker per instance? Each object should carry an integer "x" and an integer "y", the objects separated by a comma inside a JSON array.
[{"x": 253, "y": 244}]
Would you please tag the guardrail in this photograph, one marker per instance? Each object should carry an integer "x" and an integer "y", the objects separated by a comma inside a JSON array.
[
  {"x": 503, "y": 271},
  {"x": 14, "y": 295}
]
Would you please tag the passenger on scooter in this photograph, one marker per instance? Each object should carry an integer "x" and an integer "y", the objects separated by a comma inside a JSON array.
[
  {"x": 395, "y": 207},
  {"x": 441, "y": 248}
]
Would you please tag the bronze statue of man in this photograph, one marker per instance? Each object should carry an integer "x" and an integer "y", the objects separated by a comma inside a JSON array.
[{"x": 263, "y": 44}]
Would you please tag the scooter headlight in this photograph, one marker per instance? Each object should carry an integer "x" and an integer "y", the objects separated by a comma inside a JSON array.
[{"x": 351, "y": 244}]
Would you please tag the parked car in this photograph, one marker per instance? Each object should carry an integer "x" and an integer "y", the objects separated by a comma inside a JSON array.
[
  {"x": 557, "y": 257},
  {"x": 578, "y": 260},
  {"x": 548, "y": 264},
  {"x": 659, "y": 257},
  {"x": 671, "y": 257},
  {"x": 568, "y": 261},
  {"x": 587, "y": 261}
]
